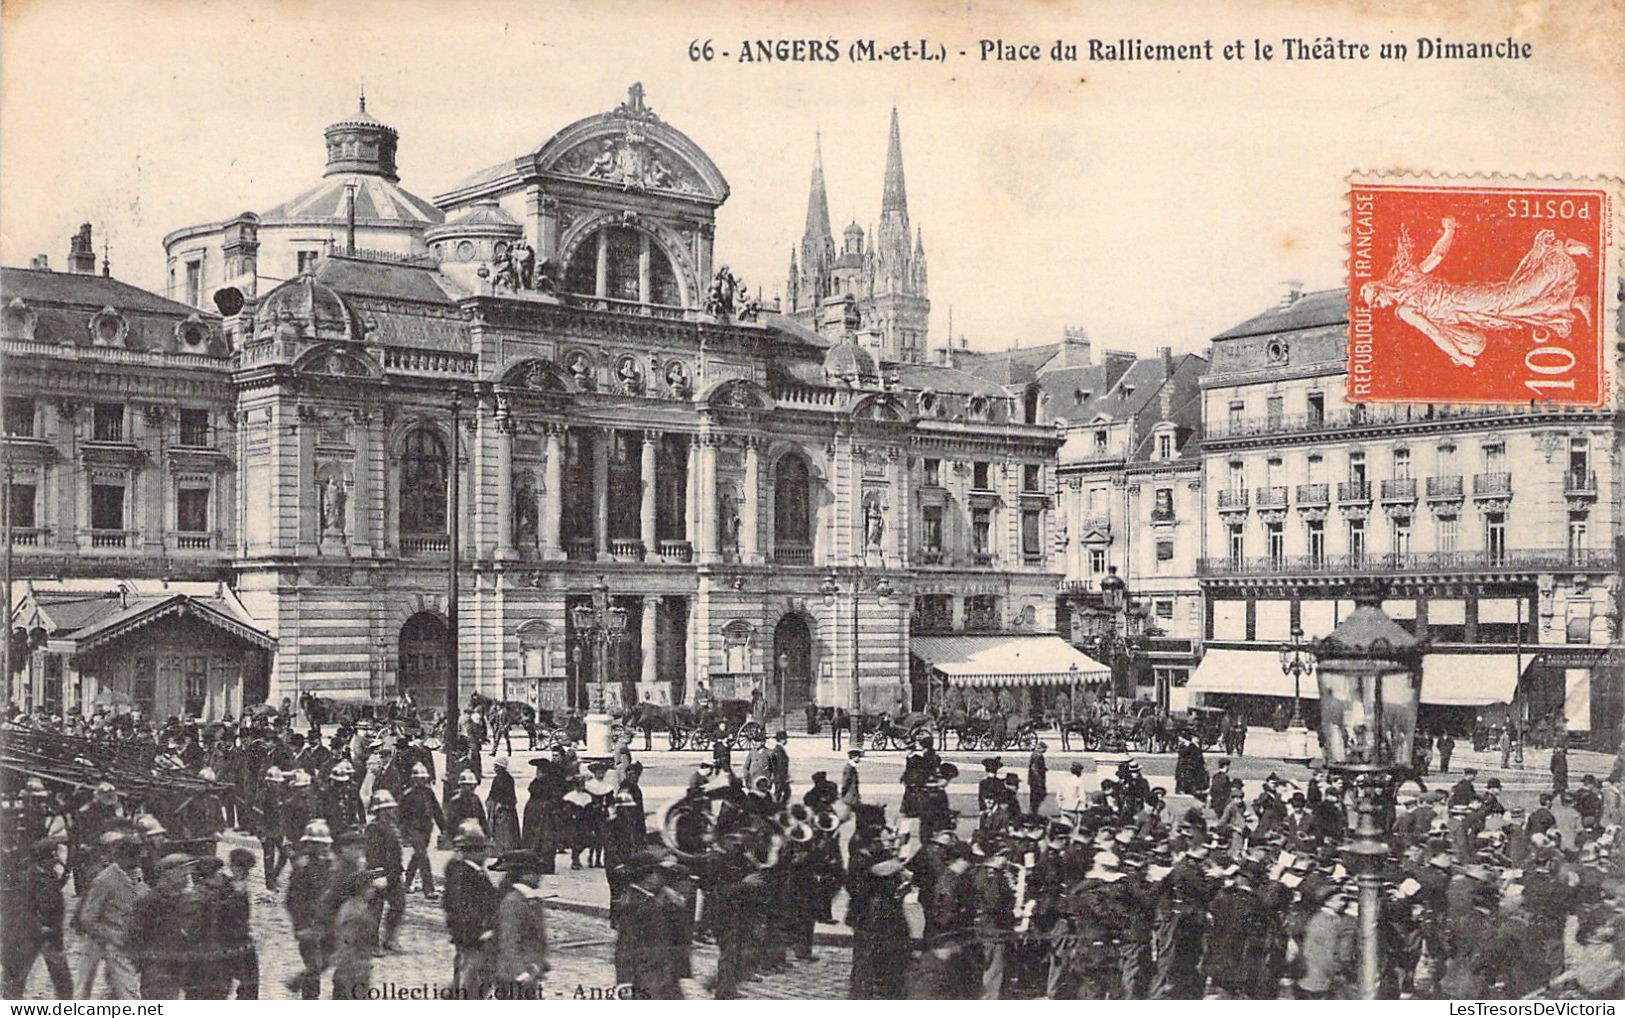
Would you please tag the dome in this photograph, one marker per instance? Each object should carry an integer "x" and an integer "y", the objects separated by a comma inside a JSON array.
[
  {"x": 361, "y": 143},
  {"x": 360, "y": 156},
  {"x": 305, "y": 308},
  {"x": 474, "y": 232},
  {"x": 848, "y": 362}
]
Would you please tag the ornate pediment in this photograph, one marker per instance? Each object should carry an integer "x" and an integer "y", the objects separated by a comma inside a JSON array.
[
  {"x": 632, "y": 149},
  {"x": 337, "y": 362}
]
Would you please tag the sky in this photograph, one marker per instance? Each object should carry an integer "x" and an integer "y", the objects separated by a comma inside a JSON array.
[{"x": 1152, "y": 204}]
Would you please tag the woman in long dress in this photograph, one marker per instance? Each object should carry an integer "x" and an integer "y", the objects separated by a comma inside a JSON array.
[
  {"x": 1457, "y": 317},
  {"x": 503, "y": 804}
]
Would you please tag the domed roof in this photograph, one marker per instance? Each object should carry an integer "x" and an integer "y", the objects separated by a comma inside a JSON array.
[
  {"x": 377, "y": 201},
  {"x": 484, "y": 218},
  {"x": 848, "y": 362},
  {"x": 305, "y": 309},
  {"x": 361, "y": 143}
]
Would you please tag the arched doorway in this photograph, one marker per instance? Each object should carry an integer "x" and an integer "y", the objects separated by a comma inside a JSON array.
[
  {"x": 792, "y": 663},
  {"x": 423, "y": 666}
]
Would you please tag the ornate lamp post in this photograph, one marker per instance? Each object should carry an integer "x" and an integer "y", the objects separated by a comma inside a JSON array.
[
  {"x": 602, "y": 625},
  {"x": 861, "y": 582},
  {"x": 1297, "y": 662},
  {"x": 1113, "y": 642},
  {"x": 1370, "y": 676}
]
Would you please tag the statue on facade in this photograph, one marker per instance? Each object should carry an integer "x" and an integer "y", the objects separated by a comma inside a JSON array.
[
  {"x": 629, "y": 376},
  {"x": 677, "y": 382},
  {"x": 581, "y": 371},
  {"x": 724, "y": 287},
  {"x": 504, "y": 280},
  {"x": 728, "y": 520},
  {"x": 874, "y": 524},
  {"x": 333, "y": 500},
  {"x": 524, "y": 510},
  {"x": 522, "y": 258}
]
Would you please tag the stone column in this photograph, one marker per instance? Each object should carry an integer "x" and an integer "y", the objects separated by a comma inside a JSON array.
[
  {"x": 600, "y": 490},
  {"x": 750, "y": 512},
  {"x": 651, "y": 638},
  {"x": 691, "y": 492},
  {"x": 651, "y": 446},
  {"x": 505, "y": 548},
  {"x": 706, "y": 509},
  {"x": 603, "y": 263},
  {"x": 552, "y": 493},
  {"x": 645, "y": 283}
]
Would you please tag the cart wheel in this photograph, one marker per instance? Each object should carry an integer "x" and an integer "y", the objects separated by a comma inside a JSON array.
[
  {"x": 675, "y": 738},
  {"x": 882, "y": 741},
  {"x": 1027, "y": 740}
]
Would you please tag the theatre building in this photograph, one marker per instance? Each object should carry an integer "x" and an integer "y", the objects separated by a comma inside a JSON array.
[
  {"x": 1494, "y": 528},
  {"x": 774, "y": 505}
]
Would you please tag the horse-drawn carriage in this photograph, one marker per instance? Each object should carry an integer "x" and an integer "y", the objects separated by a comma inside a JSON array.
[
  {"x": 1120, "y": 727},
  {"x": 688, "y": 726},
  {"x": 988, "y": 730}
]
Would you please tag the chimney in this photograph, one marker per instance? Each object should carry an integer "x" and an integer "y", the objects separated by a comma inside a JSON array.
[
  {"x": 1291, "y": 290},
  {"x": 1167, "y": 355},
  {"x": 40, "y": 263},
  {"x": 82, "y": 252},
  {"x": 1074, "y": 347}
]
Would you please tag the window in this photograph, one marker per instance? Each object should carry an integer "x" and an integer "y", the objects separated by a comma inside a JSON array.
[
  {"x": 1579, "y": 462},
  {"x": 1577, "y": 630},
  {"x": 978, "y": 477},
  {"x": 1032, "y": 545},
  {"x": 423, "y": 483},
  {"x": 19, "y": 417},
  {"x": 1238, "y": 411},
  {"x": 1401, "y": 537},
  {"x": 1165, "y": 447},
  {"x": 1577, "y": 536},
  {"x": 1449, "y": 534},
  {"x": 981, "y": 530},
  {"x": 1100, "y": 440},
  {"x": 107, "y": 422},
  {"x": 194, "y": 427},
  {"x": 1317, "y": 468},
  {"x": 1165, "y": 550},
  {"x": 934, "y": 611},
  {"x": 1316, "y": 535},
  {"x": 1165, "y": 609},
  {"x": 1495, "y": 458},
  {"x": 197, "y": 686},
  {"x": 1317, "y": 407},
  {"x": 982, "y": 611},
  {"x": 107, "y": 507},
  {"x": 931, "y": 529},
  {"x": 307, "y": 261},
  {"x": 22, "y": 506},
  {"x": 1238, "y": 545},
  {"x": 933, "y": 473},
  {"x": 1356, "y": 542},
  {"x": 1274, "y": 410},
  {"x": 1162, "y": 508},
  {"x": 1447, "y": 460},
  {"x": 192, "y": 510},
  {"x": 1357, "y": 468},
  {"x": 1495, "y": 537},
  {"x": 1402, "y": 464},
  {"x": 194, "y": 283},
  {"x": 1274, "y": 534},
  {"x": 1097, "y": 501},
  {"x": 1097, "y": 561},
  {"x": 1030, "y": 479},
  {"x": 144, "y": 687},
  {"x": 624, "y": 249},
  {"x": 1272, "y": 472},
  {"x": 1238, "y": 476},
  {"x": 792, "y": 503}
]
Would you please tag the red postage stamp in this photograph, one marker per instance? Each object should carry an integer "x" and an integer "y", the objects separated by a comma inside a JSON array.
[{"x": 1479, "y": 293}]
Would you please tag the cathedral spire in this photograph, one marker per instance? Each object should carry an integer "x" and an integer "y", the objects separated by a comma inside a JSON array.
[
  {"x": 895, "y": 198},
  {"x": 817, "y": 199}
]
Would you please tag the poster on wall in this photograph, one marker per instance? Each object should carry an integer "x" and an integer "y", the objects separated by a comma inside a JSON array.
[
  {"x": 658, "y": 693},
  {"x": 725, "y": 687},
  {"x": 611, "y": 692},
  {"x": 552, "y": 695}
]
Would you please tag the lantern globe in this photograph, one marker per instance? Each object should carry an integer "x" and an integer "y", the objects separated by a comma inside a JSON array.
[
  {"x": 1369, "y": 672},
  {"x": 1113, "y": 590}
]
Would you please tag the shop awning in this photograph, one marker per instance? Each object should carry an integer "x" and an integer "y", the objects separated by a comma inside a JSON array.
[
  {"x": 1006, "y": 660},
  {"x": 1448, "y": 680}
]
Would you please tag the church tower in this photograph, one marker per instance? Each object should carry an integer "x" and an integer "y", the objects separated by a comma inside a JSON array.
[{"x": 884, "y": 271}]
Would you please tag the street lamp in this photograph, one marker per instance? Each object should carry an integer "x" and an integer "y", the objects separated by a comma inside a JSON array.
[
  {"x": 1370, "y": 677},
  {"x": 861, "y": 582},
  {"x": 1297, "y": 662},
  {"x": 1114, "y": 645},
  {"x": 601, "y": 624}
]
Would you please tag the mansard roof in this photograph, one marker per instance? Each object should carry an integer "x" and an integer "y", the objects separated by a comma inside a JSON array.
[
  {"x": 85, "y": 290},
  {"x": 1312, "y": 310},
  {"x": 395, "y": 279}
]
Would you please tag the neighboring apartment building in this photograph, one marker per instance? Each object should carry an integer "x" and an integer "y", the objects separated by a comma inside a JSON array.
[{"x": 1494, "y": 528}]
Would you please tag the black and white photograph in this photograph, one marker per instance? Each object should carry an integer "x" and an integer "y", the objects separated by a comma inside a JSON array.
[{"x": 625, "y": 501}]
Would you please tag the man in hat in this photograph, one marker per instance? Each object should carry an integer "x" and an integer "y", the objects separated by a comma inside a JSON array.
[
  {"x": 1037, "y": 778},
  {"x": 778, "y": 766},
  {"x": 104, "y": 916},
  {"x": 32, "y": 923},
  {"x": 757, "y": 764},
  {"x": 651, "y": 944},
  {"x": 465, "y": 804},
  {"x": 355, "y": 933},
  {"x": 502, "y": 803},
  {"x": 1180, "y": 926},
  {"x": 166, "y": 930},
  {"x": 521, "y": 938},
  {"x": 95, "y": 818},
  {"x": 995, "y": 907},
  {"x": 990, "y": 794},
  {"x": 1327, "y": 947},
  {"x": 1218, "y": 791},
  {"x": 383, "y": 847},
  {"x": 851, "y": 792},
  {"x": 1446, "y": 745},
  {"x": 340, "y": 800},
  {"x": 471, "y": 905},
  {"x": 542, "y": 830},
  {"x": 308, "y": 886},
  {"x": 1463, "y": 793}
]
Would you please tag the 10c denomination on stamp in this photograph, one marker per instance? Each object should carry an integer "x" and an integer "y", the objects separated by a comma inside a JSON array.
[{"x": 1479, "y": 292}]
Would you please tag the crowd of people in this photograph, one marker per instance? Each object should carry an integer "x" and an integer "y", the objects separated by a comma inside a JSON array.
[{"x": 1071, "y": 891}]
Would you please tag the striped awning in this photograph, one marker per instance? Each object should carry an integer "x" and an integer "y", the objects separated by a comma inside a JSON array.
[
  {"x": 1448, "y": 680},
  {"x": 1009, "y": 660}
]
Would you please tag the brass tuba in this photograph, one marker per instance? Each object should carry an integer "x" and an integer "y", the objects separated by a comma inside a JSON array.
[
  {"x": 826, "y": 821},
  {"x": 687, "y": 827}
]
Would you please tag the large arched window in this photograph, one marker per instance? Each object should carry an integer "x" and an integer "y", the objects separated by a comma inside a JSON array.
[
  {"x": 624, "y": 251},
  {"x": 792, "y": 510},
  {"x": 423, "y": 483}
]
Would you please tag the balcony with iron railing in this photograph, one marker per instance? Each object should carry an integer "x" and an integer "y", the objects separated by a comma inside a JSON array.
[
  {"x": 1492, "y": 485},
  {"x": 1354, "y": 491},
  {"x": 1359, "y": 417},
  {"x": 1162, "y": 516},
  {"x": 1444, "y": 488},
  {"x": 1272, "y": 496},
  {"x": 1580, "y": 482},
  {"x": 1233, "y": 499},
  {"x": 1483, "y": 560},
  {"x": 1399, "y": 489},
  {"x": 1313, "y": 494}
]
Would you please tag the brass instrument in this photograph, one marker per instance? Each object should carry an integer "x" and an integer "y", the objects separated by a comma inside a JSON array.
[
  {"x": 826, "y": 821},
  {"x": 692, "y": 831}
]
